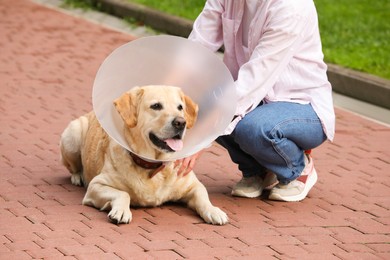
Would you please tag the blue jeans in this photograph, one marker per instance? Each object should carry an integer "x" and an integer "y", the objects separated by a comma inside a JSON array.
[{"x": 274, "y": 136}]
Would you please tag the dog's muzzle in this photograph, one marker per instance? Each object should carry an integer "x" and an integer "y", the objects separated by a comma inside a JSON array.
[{"x": 173, "y": 143}]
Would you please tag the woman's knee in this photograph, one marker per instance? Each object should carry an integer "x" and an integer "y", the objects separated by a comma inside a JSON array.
[{"x": 252, "y": 135}]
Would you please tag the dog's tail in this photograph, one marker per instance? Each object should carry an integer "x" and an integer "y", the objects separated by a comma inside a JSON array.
[{"x": 70, "y": 145}]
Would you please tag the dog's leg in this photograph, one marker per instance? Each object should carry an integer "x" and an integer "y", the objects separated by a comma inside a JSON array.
[
  {"x": 198, "y": 200},
  {"x": 104, "y": 197},
  {"x": 70, "y": 146}
]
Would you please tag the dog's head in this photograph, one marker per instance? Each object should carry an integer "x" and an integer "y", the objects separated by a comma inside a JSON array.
[{"x": 156, "y": 117}]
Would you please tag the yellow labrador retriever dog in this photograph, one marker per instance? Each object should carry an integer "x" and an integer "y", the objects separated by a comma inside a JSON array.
[{"x": 155, "y": 119}]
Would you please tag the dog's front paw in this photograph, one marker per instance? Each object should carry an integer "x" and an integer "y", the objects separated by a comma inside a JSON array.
[
  {"x": 215, "y": 216},
  {"x": 119, "y": 215},
  {"x": 76, "y": 179}
]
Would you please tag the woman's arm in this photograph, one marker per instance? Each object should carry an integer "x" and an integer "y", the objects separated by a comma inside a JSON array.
[
  {"x": 285, "y": 30},
  {"x": 207, "y": 29}
]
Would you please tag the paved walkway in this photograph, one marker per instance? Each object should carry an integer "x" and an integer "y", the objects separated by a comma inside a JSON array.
[{"x": 48, "y": 61}]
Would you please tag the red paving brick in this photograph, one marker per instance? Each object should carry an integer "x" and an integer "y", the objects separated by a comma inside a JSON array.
[{"x": 48, "y": 63}]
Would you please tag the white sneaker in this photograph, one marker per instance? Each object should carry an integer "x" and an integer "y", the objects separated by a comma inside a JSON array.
[
  {"x": 250, "y": 187},
  {"x": 297, "y": 189}
]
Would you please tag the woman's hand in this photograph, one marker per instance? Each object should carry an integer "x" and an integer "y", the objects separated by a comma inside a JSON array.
[{"x": 187, "y": 164}]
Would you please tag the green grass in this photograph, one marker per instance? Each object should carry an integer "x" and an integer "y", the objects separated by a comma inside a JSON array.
[
  {"x": 355, "y": 33},
  {"x": 189, "y": 9}
]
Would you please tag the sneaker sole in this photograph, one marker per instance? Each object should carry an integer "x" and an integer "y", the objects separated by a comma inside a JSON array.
[
  {"x": 254, "y": 194},
  {"x": 310, "y": 183}
]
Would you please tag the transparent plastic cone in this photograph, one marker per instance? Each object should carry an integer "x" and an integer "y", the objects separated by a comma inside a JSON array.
[{"x": 173, "y": 61}]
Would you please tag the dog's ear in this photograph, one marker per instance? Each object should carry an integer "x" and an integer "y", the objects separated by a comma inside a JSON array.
[
  {"x": 127, "y": 106},
  {"x": 191, "y": 111}
]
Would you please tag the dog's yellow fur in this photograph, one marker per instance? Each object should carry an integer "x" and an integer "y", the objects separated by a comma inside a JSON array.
[{"x": 113, "y": 180}]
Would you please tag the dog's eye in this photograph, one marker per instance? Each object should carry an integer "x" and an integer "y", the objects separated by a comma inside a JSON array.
[
  {"x": 180, "y": 107},
  {"x": 156, "y": 106}
]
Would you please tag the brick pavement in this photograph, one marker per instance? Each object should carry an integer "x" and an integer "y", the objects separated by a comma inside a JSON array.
[{"x": 48, "y": 61}]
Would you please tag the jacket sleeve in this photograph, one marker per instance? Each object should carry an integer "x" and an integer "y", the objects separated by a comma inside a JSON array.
[
  {"x": 207, "y": 29},
  {"x": 280, "y": 39}
]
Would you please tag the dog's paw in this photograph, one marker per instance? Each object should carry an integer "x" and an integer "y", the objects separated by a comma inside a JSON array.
[
  {"x": 119, "y": 215},
  {"x": 76, "y": 179},
  {"x": 214, "y": 215}
]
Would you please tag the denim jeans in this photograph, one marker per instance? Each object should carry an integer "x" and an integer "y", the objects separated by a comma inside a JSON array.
[{"x": 274, "y": 136}]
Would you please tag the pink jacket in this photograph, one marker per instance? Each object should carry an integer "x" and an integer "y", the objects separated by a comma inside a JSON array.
[{"x": 283, "y": 60}]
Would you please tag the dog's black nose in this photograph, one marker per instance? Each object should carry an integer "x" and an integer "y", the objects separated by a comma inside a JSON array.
[{"x": 179, "y": 123}]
